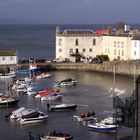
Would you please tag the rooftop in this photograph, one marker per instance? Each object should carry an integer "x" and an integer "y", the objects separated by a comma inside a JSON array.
[{"x": 9, "y": 52}]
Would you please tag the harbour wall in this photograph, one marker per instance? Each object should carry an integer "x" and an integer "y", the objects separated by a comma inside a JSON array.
[{"x": 130, "y": 68}]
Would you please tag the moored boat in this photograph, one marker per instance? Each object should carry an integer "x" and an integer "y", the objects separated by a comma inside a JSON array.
[
  {"x": 67, "y": 82},
  {"x": 8, "y": 101},
  {"x": 51, "y": 97},
  {"x": 62, "y": 107},
  {"x": 85, "y": 117},
  {"x": 102, "y": 127},
  {"x": 34, "y": 117},
  {"x": 56, "y": 136}
]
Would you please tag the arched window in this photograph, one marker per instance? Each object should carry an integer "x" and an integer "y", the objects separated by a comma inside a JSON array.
[
  {"x": 76, "y": 42},
  {"x": 94, "y": 41}
]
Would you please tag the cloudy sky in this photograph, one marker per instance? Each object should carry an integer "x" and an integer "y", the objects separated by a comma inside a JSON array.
[{"x": 69, "y": 11}]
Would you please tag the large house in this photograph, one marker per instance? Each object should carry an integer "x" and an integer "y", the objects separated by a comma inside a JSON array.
[
  {"x": 75, "y": 44},
  {"x": 8, "y": 57},
  {"x": 83, "y": 44},
  {"x": 135, "y": 47}
]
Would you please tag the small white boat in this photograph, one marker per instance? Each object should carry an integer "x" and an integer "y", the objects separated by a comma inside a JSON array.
[
  {"x": 43, "y": 75},
  {"x": 62, "y": 107},
  {"x": 34, "y": 117},
  {"x": 51, "y": 97},
  {"x": 102, "y": 127},
  {"x": 67, "y": 82},
  {"x": 56, "y": 136}
]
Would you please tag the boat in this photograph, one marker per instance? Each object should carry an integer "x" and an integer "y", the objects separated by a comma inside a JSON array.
[
  {"x": 46, "y": 92},
  {"x": 62, "y": 107},
  {"x": 67, "y": 82},
  {"x": 43, "y": 75},
  {"x": 51, "y": 97},
  {"x": 34, "y": 91},
  {"x": 56, "y": 136},
  {"x": 8, "y": 101},
  {"x": 102, "y": 127},
  {"x": 85, "y": 117},
  {"x": 20, "y": 112},
  {"x": 34, "y": 117}
]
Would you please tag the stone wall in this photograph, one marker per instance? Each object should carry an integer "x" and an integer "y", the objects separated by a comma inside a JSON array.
[{"x": 121, "y": 67}]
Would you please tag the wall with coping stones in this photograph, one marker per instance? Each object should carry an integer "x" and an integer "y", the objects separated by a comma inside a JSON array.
[{"x": 121, "y": 67}]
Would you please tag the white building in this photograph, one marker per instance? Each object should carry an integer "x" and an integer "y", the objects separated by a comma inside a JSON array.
[
  {"x": 135, "y": 48},
  {"x": 77, "y": 44},
  {"x": 8, "y": 57}
]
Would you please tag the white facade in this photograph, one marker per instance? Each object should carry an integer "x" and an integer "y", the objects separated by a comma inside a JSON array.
[
  {"x": 117, "y": 47},
  {"x": 87, "y": 45},
  {"x": 8, "y": 57},
  {"x": 135, "y": 49}
]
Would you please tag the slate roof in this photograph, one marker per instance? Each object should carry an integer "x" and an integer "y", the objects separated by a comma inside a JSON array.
[
  {"x": 9, "y": 52},
  {"x": 79, "y": 32}
]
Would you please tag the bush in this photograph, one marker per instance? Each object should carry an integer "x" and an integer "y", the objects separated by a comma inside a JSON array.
[{"x": 103, "y": 57}]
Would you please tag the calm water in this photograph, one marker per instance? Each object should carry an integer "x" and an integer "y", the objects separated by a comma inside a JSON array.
[{"x": 91, "y": 93}]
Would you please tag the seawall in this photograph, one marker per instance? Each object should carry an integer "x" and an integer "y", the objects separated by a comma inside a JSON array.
[{"x": 121, "y": 67}]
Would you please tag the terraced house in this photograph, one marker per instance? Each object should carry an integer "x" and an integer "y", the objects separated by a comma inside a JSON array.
[{"x": 83, "y": 44}]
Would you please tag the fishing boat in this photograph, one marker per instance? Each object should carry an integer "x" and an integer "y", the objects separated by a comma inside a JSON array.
[
  {"x": 102, "y": 127},
  {"x": 8, "y": 101},
  {"x": 52, "y": 97},
  {"x": 34, "y": 117},
  {"x": 85, "y": 117},
  {"x": 56, "y": 136},
  {"x": 62, "y": 107}
]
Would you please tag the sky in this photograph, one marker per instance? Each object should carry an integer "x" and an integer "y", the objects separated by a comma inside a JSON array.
[{"x": 69, "y": 11}]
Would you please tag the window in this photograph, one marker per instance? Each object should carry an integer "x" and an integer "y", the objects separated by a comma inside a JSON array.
[
  {"x": 122, "y": 52},
  {"x": 84, "y": 50},
  {"x": 76, "y": 42},
  {"x": 114, "y": 43},
  {"x": 90, "y": 50},
  {"x": 11, "y": 57},
  {"x": 94, "y": 42},
  {"x": 118, "y": 52},
  {"x": 3, "y": 58},
  {"x": 135, "y": 53},
  {"x": 60, "y": 42},
  {"x": 118, "y": 44},
  {"x": 71, "y": 50},
  {"x": 135, "y": 44},
  {"x": 60, "y": 50},
  {"x": 122, "y": 44},
  {"x": 115, "y": 52}
]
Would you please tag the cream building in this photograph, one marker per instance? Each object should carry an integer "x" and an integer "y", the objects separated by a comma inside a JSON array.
[
  {"x": 70, "y": 44},
  {"x": 86, "y": 43},
  {"x": 117, "y": 47}
]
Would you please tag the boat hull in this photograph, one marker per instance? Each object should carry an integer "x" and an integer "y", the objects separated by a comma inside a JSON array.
[
  {"x": 63, "y": 108},
  {"x": 33, "y": 120}
]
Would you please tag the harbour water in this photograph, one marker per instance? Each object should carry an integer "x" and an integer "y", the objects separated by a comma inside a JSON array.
[{"x": 91, "y": 92}]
